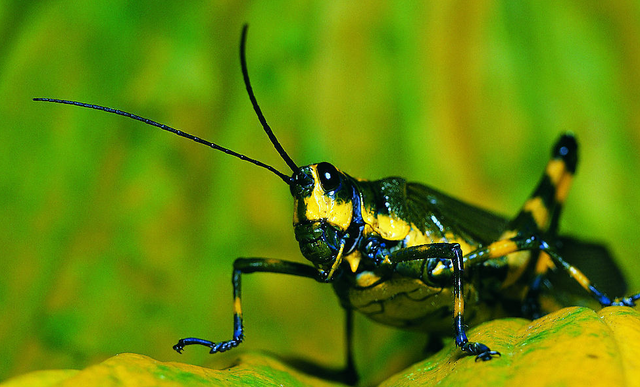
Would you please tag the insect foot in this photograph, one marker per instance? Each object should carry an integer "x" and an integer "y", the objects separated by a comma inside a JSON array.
[
  {"x": 215, "y": 347},
  {"x": 626, "y": 301},
  {"x": 481, "y": 351}
]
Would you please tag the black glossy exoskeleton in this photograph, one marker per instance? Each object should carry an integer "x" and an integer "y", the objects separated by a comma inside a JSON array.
[{"x": 406, "y": 255}]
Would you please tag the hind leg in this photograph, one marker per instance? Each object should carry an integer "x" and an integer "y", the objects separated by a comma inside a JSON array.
[
  {"x": 540, "y": 216},
  {"x": 534, "y": 243}
]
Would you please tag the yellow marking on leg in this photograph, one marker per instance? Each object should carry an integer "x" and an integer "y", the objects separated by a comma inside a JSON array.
[
  {"x": 535, "y": 206},
  {"x": 237, "y": 306},
  {"x": 516, "y": 265},
  {"x": 458, "y": 306},
  {"x": 516, "y": 260},
  {"x": 556, "y": 169},
  {"x": 502, "y": 248},
  {"x": 581, "y": 278},
  {"x": 560, "y": 177},
  {"x": 544, "y": 263},
  {"x": 562, "y": 188}
]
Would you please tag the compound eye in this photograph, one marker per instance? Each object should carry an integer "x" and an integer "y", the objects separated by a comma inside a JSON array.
[{"x": 329, "y": 176}]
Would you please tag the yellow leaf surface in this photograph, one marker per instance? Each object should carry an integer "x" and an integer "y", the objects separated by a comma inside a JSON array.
[
  {"x": 44, "y": 378},
  {"x": 137, "y": 370},
  {"x": 571, "y": 347}
]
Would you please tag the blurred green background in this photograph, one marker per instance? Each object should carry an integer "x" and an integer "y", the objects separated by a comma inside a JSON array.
[{"x": 117, "y": 237}]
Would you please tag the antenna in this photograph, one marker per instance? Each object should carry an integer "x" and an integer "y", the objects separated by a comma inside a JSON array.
[
  {"x": 254, "y": 102},
  {"x": 180, "y": 133}
]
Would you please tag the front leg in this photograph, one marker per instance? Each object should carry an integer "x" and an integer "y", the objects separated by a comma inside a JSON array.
[
  {"x": 453, "y": 252},
  {"x": 245, "y": 266}
]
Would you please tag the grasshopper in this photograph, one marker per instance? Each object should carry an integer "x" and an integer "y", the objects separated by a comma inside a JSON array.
[{"x": 406, "y": 255}]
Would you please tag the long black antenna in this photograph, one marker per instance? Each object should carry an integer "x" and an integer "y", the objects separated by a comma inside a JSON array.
[
  {"x": 284, "y": 177},
  {"x": 254, "y": 102},
  {"x": 263, "y": 121}
]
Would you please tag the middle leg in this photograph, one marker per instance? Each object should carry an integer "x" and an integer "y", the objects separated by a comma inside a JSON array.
[{"x": 453, "y": 252}]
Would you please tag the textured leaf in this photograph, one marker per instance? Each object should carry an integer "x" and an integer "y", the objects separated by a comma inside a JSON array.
[
  {"x": 571, "y": 347},
  {"x": 41, "y": 378},
  {"x": 137, "y": 370}
]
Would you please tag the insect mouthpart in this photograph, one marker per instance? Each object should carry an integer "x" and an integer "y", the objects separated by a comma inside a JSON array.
[
  {"x": 318, "y": 242},
  {"x": 327, "y": 276},
  {"x": 325, "y": 246}
]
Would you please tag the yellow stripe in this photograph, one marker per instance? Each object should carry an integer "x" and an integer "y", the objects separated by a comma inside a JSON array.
[
  {"x": 458, "y": 306},
  {"x": 556, "y": 169},
  {"x": 560, "y": 177},
  {"x": 544, "y": 263},
  {"x": 535, "y": 206},
  {"x": 237, "y": 306},
  {"x": 562, "y": 188},
  {"x": 581, "y": 278},
  {"x": 502, "y": 248}
]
